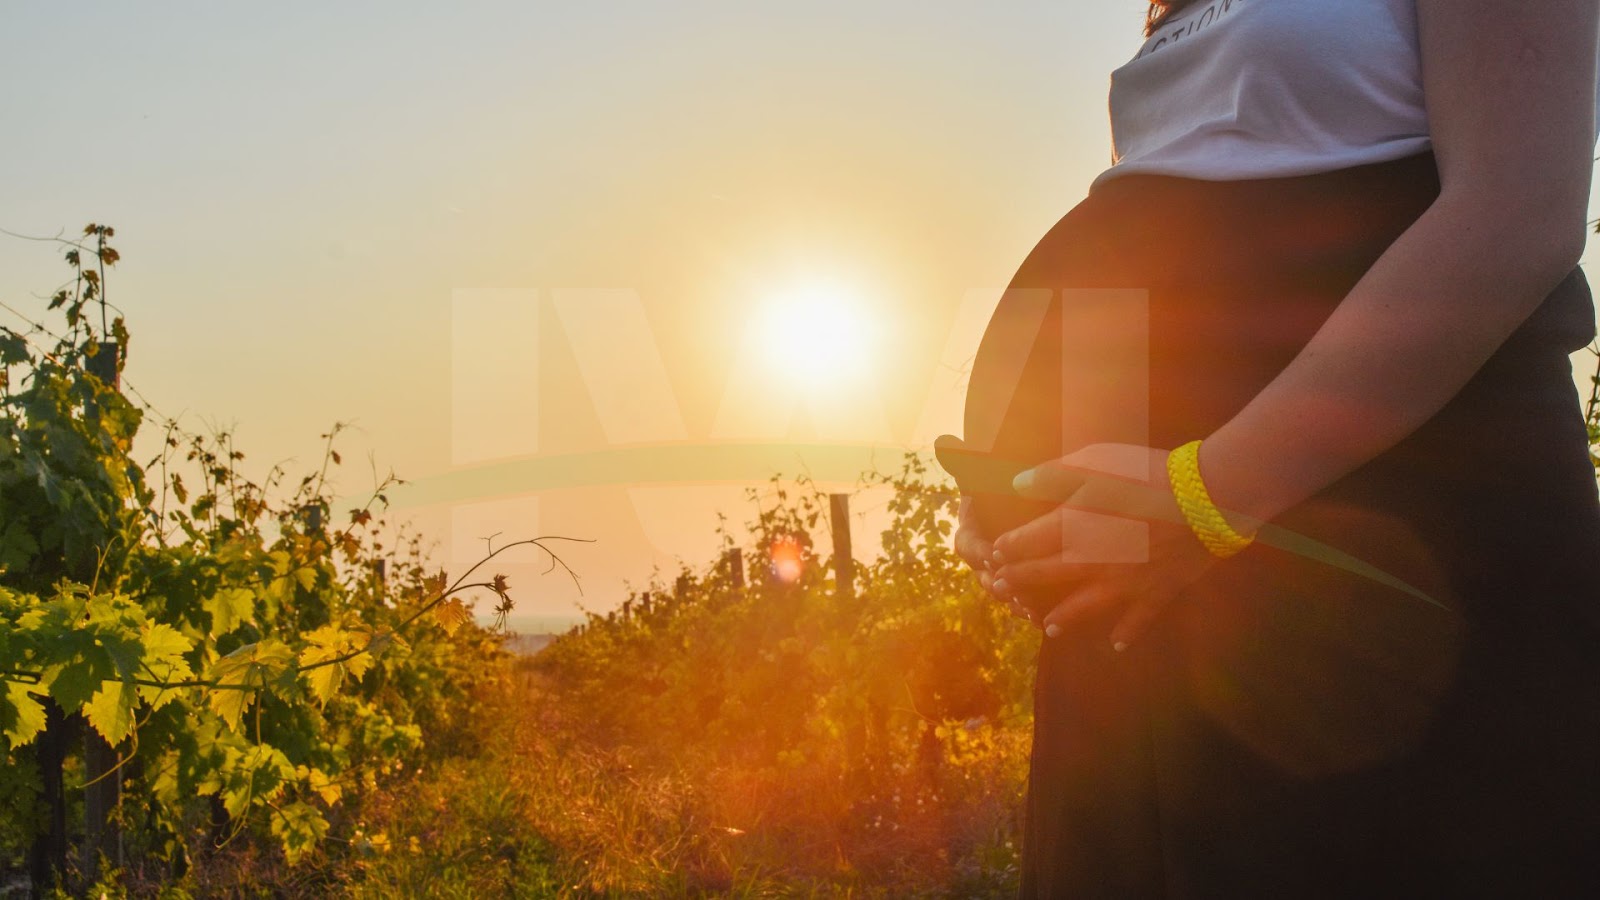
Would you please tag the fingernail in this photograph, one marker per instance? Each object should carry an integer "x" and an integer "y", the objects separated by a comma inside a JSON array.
[
  {"x": 997, "y": 557},
  {"x": 1023, "y": 482},
  {"x": 988, "y": 565},
  {"x": 1001, "y": 586},
  {"x": 1120, "y": 646},
  {"x": 1052, "y": 630}
]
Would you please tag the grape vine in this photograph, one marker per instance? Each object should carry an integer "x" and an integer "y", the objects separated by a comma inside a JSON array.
[{"x": 243, "y": 665}]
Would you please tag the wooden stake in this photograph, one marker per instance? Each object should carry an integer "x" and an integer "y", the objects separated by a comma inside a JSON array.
[{"x": 844, "y": 566}]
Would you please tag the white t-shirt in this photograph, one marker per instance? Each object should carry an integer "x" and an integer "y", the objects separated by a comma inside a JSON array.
[{"x": 1235, "y": 89}]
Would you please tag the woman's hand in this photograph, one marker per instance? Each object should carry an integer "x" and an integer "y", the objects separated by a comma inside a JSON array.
[
  {"x": 1118, "y": 544},
  {"x": 978, "y": 553}
]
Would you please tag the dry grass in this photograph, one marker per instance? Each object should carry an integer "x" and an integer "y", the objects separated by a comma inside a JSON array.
[{"x": 544, "y": 812}]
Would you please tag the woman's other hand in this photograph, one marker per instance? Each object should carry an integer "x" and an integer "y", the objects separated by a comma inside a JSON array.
[
  {"x": 978, "y": 552},
  {"x": 1116, "y": 546}
]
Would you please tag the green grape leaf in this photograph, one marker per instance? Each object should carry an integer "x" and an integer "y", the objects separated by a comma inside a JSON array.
[
  {"x": 74, "y": 683},
  {"x": 246, "y": 775},
  {"x": 328, "y": 643},
  {"x": 299, "y": 827},
  {"x": 110, "y": 712},
  {"x": 357, "y": 666},
  {"x": 22, "y": 715},
  {"x": 238, "y": 676},
  {"x": 13, "y": 348},
  {"x": 165, "y": 786},
  {"x": 229, "y": 608},
  {"x": 324, "y": 679},
  {"x": 18, "y": 546},
  {"x": 320, "y": 782},
  {"x": 163, "y": 659}
]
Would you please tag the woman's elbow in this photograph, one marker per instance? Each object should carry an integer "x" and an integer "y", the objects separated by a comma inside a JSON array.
[
  {"x": 1540, "y": 233},
  {"x": 1542, "y": 260},
  {"x": 1557, "y": 251},
  {"x": 1549, "y": 255}
]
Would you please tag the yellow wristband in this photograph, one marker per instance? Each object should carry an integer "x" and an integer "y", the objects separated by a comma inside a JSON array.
[{"x": 1183, "y": 470}]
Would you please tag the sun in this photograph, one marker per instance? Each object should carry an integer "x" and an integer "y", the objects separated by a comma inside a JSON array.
[{"x": 817, "y": 333}]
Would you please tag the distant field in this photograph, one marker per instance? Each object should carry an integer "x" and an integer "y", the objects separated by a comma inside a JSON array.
[
  {"x": 541, "y": 624},
  {"x": 528, "y": 644}
]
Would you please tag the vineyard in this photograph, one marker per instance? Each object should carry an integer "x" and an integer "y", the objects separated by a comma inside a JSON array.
[
  {"x": 197, "y": 668},
  {"x": 215, "y": 687},
  {"x": 750, "y": 737}
]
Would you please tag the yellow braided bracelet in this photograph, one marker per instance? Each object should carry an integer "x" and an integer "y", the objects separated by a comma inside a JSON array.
[{"x": 1183, "y": 470}]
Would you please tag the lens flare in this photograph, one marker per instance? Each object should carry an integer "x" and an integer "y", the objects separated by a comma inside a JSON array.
[{"x": 787, "y": 559}]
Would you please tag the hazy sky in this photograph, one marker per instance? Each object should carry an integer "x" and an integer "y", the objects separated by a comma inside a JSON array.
[{"x": 539, "y": 254}]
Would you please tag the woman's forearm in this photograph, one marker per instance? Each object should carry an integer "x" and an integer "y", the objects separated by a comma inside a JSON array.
[{"x": 1406, "y": 339}]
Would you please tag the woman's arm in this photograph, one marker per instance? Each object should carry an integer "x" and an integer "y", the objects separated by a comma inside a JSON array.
[{"x": 1510, "y": 88}]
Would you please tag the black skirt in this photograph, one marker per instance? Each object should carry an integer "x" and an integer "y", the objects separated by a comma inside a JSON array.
[{"x": 1291, "y": 729}]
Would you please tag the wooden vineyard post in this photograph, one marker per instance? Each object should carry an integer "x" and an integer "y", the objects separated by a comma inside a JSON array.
[
  {"x": 102, "y": 794},
  {"x": 844, "y": 566}
]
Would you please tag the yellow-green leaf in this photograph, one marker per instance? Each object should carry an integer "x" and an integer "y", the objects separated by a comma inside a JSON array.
[
  {"x": 322, "y": 783},
  {"x": 74, "y": 683},
  {"x": 357, "y": 666},
  {"x": 327, "y": 644},
  {"x": 165, "y": 786},
  {"x": 324, "y": 677},
  {"x": 299, "y": 827},
  {"x": 163, "y": 660},
  {"x": 238, "y": 676},
  {"x": 110, "y": 711},
  {"x": 25, "y": 718},
  {"x": 229, "y": 608}
]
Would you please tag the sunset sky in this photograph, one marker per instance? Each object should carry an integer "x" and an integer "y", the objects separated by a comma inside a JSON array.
[{"x": 547, "y": 258}]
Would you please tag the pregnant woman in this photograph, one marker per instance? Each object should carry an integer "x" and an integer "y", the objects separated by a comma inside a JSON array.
[{"x": 1306, "y": 513}]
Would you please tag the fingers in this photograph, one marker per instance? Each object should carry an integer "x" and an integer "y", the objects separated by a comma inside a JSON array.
[
  {"x": 1116, "y": 544},
  {"x": 987, "y": 580},
  {"x": 1013, "y": 602},
  {"x": 1093, "y": 600},
  {"x": 1008, "y": 582},
  {"x": 1018, "y": 611},
  {"x": 1049, "y": 481},
  {"x": 1058, "y": 571},
  {"x": 1095, "y": 481},
  {"x": 970, "y": 544},
  {"x": 1058, "y": 479},
  {"x": 1136, "y": 621},
  {"x": 1076, "y": 537},
  {"x": 973, "y": 549},
  {"x": 1041, "y": 537},
  {"x": 1096, "y": 601}
]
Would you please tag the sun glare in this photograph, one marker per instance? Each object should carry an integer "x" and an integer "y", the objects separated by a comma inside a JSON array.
[
  {"x": 817, "y": 333},
  {"x": 788, "y": 560}
]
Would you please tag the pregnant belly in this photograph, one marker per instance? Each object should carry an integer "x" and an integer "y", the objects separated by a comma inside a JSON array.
[
  {"x": 1153, "y": 312},
  {"x": 1155, "y": 309}
]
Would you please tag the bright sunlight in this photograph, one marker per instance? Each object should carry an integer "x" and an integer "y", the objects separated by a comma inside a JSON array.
[{"x": 817, "y": 333}]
